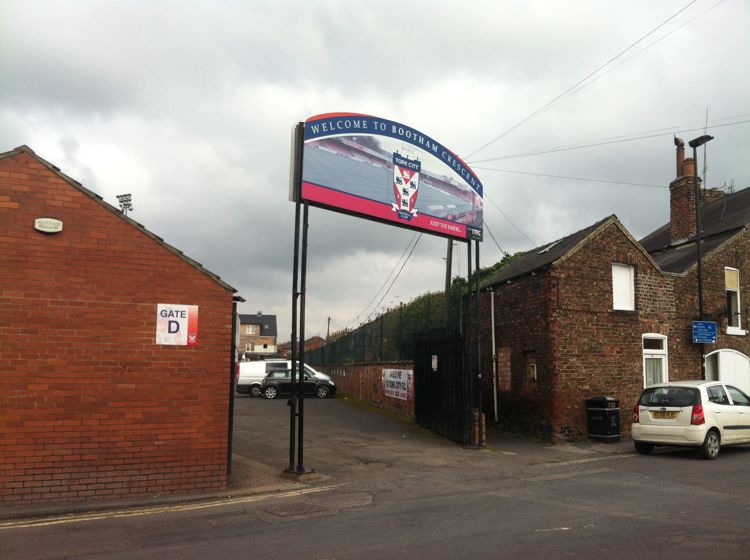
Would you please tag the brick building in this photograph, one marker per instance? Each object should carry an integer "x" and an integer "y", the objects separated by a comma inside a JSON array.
[
  {"x": 599, "y": 313},
  {"x": 258, "y": 336},
  {"x": 312, "y": 343},
  {"x": 90, "y": 405}
]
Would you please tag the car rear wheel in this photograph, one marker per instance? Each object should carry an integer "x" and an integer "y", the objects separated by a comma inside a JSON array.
[
  {"x": 322, "y": 392},
  {"x": 643, "y": 448},
  {"x": 711, "y": 445},
  {"x": 255, "y": 391},
  {"x": 270, "y": 392}
]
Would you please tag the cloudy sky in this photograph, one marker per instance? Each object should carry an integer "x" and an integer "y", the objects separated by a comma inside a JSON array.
[{"x": 565, "y": 110}]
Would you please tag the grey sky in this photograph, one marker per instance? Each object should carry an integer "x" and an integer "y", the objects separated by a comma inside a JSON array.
[{"x": 189, "y": 106}]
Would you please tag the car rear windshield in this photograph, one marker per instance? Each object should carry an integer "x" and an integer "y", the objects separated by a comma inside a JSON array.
[{"x": 670, "y": 396}]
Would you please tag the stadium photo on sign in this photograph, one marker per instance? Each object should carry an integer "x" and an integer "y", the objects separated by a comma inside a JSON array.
[{"x": 389, "y": 172}]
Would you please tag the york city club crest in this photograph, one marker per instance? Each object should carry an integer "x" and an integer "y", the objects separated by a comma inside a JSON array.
[{"x": 405, "y": 185}]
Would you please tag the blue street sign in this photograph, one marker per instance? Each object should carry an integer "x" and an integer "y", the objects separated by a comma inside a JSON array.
[{"x": 704, "y": 332}]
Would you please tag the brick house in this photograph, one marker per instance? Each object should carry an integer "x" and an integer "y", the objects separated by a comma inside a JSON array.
[
  {"x": 257, "y": 335},
  {"x": 90, "y": 405},
  {"x": 312, "y": 343},
  {"x": 598, "y": 313}
]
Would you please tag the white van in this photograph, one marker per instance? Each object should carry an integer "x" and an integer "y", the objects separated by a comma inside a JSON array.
[{"x": 250, "y": 374}]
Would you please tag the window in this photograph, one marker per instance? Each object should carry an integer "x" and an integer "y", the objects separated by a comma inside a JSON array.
[
  {"x": 717, "y": 395},
  {"x": 732, "y": 284},
  {"x": 738, "y": 397},
  {"x": 654, "y": 359},
  {"x": 623, "y": 287}
]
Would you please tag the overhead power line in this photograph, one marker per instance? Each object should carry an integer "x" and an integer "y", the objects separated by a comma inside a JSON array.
[
  {"x": 573, "y": 178},
  {"x": 395, "y": 278},
  {"x": 487, "y": 227},
  {"x": 362, "y": 313},
  {"x": 644, "y": 49},
  {"x": 575, "y": 86},
  {"x": 486, "y": 196},
  {"x": 603, "y": 143}
]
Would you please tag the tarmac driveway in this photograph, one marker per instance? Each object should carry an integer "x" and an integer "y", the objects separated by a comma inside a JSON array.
[{"x": 346, "y": 440}]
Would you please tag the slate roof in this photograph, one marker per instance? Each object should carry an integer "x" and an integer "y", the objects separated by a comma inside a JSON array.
[
  {"x": 720, "y": 220},
  {"x": 267, "y": 323},
  {"x": 543, "y": 256},
  {"x": 116, "y": 211}
]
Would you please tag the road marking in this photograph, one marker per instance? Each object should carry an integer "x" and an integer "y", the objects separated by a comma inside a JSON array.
[
  {"x": 155, "y": 510},
  {"x": 563, "y": 476},
  {"x": 590, "y": 460}
]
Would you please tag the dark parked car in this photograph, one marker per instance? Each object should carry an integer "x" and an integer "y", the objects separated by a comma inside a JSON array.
[{"x": 279, "y": 382}]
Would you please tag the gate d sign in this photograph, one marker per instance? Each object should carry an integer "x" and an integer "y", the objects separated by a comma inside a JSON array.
[{"x": 177, "y": 324}]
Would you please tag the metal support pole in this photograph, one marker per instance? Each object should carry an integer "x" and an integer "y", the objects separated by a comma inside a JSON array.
[
  {"x": 698, "y": 253},
  {"x": 494, "y": 353},
  {"x": 478, "y": 360},
  {"x": 448, "y": 273},
  {"x": 299, "y": 147},
  {"x": 232, "y": 366},
  {"x": 301, "y": 366},
  {"x": 469, "y": 362}
]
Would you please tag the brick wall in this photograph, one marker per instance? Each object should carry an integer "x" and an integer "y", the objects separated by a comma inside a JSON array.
[
  {"x": 365, "y": 382},
  {"x": 560, "y": 325},
  {"x": 684, "y": 360},
  {"x": 561, "y": 320},
  {"x": 599, "y": 350},
  {"x": 522, "y": 337},
  {"x": 90, "y": 406}
]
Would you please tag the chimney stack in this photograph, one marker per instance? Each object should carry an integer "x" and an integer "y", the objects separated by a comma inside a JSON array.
[
  {"x": 682, "y": 197},
  {"x": 680, "y": 155}
]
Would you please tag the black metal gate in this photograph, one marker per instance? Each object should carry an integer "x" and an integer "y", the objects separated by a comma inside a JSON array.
[{"x": 441, "y": 389}]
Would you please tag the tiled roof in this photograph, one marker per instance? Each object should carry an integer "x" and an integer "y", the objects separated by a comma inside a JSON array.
[
  {"x": 267, "y": 323},
  {"x": 544, "y": 255},
  {"x": 720, "y": 220}
]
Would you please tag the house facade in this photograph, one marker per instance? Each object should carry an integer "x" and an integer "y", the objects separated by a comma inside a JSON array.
[
  {"x": 258, "y": 335},
  {"x": 598, "y": 313},
  {"x": 102, "y": 392}
]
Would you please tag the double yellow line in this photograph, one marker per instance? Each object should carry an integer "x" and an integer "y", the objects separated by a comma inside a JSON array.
[{"x": 155, "y": 510}]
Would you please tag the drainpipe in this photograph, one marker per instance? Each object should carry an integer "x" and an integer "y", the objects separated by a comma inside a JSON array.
[{"x": 494, "y": 351}]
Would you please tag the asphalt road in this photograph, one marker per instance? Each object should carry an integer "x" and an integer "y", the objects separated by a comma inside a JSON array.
[{"x": 387, "y": 489}]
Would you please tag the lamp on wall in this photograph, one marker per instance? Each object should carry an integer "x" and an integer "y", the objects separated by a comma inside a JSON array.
[{"x": 694, "y": 144}]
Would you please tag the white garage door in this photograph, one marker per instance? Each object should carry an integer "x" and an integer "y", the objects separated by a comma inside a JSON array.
[{"x": 731, "y": 367}]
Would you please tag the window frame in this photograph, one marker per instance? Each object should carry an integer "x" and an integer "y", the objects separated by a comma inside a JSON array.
[
  {"x": 618, "y": 285},
  {"x": 654, "y": 353},
  {"x": 732, "y": 329}
]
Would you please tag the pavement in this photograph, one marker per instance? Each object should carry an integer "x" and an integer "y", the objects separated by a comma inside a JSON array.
[{"x": 346, "y": 441}]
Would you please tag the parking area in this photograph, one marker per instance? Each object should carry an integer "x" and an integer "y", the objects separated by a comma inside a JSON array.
[{"x": 347, "y": 440}]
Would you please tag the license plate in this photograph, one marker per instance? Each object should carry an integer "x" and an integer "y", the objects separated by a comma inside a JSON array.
[{"x": 665, "y": 415}]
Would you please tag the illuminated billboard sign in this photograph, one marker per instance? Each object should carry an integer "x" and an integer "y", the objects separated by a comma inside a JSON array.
[{"x": 390, "y": 172}]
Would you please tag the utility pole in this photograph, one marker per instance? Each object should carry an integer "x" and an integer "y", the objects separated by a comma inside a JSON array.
[{"x": 328, "y": 330}]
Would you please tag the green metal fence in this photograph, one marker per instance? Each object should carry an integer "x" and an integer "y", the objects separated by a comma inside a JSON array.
[{"x": 390, "y": 336}]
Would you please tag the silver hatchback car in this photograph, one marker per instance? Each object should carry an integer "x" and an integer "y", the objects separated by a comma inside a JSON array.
[{"x": 701, "y": 414}]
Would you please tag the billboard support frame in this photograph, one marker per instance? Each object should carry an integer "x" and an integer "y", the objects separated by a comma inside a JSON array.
[{"x": 299, "y": 287}]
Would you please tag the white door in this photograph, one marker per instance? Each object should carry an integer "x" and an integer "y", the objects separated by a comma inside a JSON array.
[{"x": 732, "y": 367}]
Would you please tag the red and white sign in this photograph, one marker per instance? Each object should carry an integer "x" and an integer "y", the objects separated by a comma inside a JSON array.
[
  {"x": 398, "y": 384},
  {"x": 177, "y": 325}
]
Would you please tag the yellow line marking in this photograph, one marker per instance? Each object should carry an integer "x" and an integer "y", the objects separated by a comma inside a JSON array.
[{"x": 154, "y": 510}]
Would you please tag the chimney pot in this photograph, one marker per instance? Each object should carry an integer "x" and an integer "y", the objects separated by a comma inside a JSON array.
[{"x": 688, "y": 167}]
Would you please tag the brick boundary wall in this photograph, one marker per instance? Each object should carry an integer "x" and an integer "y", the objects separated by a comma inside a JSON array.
[{"x": 365, "y": 382}]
